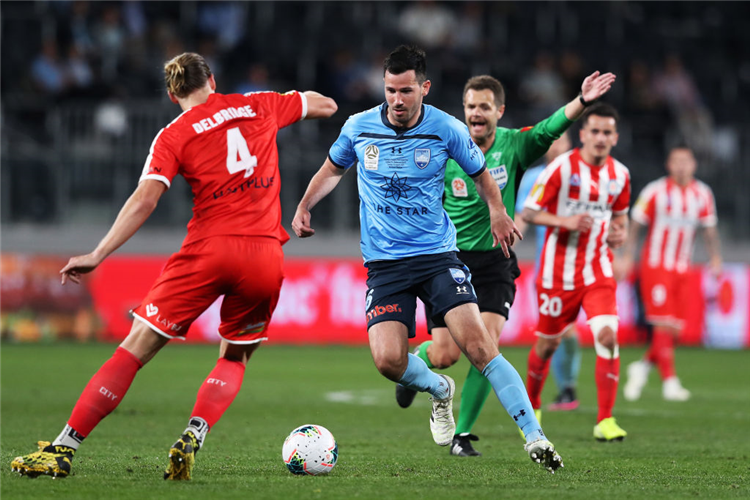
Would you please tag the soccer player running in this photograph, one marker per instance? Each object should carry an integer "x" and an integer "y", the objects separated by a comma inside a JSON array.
[
  {"x": 507, "y": 153},
  {"x": 408, "y": 242},
  {"x": 225, "y": 147},
  {"x": 566, "y": 362},
  {"x": 672, "y": 208},
  {"x": 583, "y": 197}
]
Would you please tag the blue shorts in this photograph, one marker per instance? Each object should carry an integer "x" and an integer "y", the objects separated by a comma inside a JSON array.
[{"x": 441, "y": 281}]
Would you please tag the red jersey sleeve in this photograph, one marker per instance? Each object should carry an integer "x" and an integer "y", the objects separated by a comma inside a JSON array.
[
  {"x": 162, "y": 163},
  {"x": 287, "y": 108},
  {"x": 621, "y": 204},
  {"x": 543, "y": 195},
  {"x": 707, "y": 215},
  {"x": 644, "y": 209}
]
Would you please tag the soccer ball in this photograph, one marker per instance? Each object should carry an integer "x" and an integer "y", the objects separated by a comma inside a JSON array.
[{"x": 310, "y": 449}]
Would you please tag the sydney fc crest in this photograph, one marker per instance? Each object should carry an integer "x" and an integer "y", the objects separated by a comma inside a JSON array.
[
  {"x": 422, "y": 157},
  {"x": 458, "y": 275}
]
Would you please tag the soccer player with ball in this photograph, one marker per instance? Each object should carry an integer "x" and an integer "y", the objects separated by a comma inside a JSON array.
[
  {"x": 225, "y": 147},
  {"x": 409, "y": 243}
]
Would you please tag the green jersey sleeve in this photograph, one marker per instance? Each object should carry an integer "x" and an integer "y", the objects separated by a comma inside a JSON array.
[{"x": 532, "y": 142}]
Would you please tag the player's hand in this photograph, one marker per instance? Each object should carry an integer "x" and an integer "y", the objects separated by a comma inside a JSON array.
[
  {"x": 580, "y": 222},
  {"x": 301, "y": 223},
  {"x": 504, "y": 231},
  {"x": 77, "y": 266},
  {"x": 616, "y": 236},
  {"x": 596, "y": 85}
]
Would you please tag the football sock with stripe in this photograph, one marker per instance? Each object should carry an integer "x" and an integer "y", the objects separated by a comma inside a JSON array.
[
  {"x": 473, "y": 395},
  {"x": 420, "y": 378},
  {"x": 607, "y": 379},
  {"x": 508, "y": 386}
]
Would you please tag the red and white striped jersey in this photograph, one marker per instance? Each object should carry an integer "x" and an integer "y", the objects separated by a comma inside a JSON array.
[
  {"x": 570, "y": 186},
  {"x": 672, "y": 213}
]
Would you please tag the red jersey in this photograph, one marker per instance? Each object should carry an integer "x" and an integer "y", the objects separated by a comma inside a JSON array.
[
  {"x": 570, "y": 186},
  {"x": 673, "y": 213},
  {"x": 226, "y": 150}
]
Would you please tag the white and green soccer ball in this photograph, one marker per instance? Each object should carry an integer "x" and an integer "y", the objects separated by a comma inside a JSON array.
[{"x": 310, "y": 449}]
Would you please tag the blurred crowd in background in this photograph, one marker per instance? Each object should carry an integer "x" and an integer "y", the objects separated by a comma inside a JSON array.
[{"x": 83, "y": 94}]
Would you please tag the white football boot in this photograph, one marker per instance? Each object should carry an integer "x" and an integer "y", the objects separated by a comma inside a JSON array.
[
  {"x": 637, "y": 378},
  {"x": 672, "y": 390},
  {"x": 442, "y": 424}
]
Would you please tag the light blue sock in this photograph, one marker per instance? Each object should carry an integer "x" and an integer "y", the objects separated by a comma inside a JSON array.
[
  {"x": 420, "y": 378},
  {"x": 566, "y": 363},
  {"x": 512, "y": 394}
]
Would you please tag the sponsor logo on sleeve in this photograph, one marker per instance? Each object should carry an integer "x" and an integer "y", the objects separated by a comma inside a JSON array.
[
  {"x": 422, "y": 157},
  {"x": 372, "y": 155},
  {"x": 460, "y": 190}
]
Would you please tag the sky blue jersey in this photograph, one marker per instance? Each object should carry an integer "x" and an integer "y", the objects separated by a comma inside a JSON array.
[
  {"x": 400, "y": 178},
  {"x": 529, "y": 178}
]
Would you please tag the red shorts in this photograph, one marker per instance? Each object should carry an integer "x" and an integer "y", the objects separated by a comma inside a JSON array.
[
  {"x": 558, "y": 309},
  {"x": 248, "y": 271},
  {"x": 664, "y": 296}
]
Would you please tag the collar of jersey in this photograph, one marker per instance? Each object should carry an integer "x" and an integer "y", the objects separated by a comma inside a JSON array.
[{"x": 399, "y": 130}]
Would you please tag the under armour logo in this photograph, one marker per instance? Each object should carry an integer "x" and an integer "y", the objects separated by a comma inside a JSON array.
[
  {"x": 522, "y": 413},
  {"x": 151, "y": 310},
  {"x": 462, "y": 290}
]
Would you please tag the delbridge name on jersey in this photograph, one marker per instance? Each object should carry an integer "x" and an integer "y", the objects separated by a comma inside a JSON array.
[{"x": 223, "y": 115}]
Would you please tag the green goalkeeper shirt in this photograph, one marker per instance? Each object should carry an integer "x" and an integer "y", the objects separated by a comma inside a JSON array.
[{"x": 512, "y": 150}]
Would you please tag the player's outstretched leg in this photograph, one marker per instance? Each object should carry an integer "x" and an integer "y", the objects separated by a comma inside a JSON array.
[{"x": 604, "y": 328}]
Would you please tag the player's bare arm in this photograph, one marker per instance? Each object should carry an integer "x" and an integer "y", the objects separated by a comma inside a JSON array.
[
  {"x": 322, "y": 183},
  {"x": 618, "y": 231},
  {"x": 504, "y": 230},
  {"x": 593, "y": 87},
  {"x": 133, "y": 214},
  {"x": 319, "y": 106},
  {"x": 713, "y": 247},
  {"x": 580, "y": 222},
  {"x": 629, "y": 248}
]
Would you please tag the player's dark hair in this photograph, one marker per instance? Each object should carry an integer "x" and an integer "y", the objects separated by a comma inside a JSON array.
[
  {"x": 679, "y": 145},
  {"x": 186, "y": 73},
  {"x": 484, "y": 82},
  {"x": 600, "y": 109},
  {"x": 405, "y": 58}
]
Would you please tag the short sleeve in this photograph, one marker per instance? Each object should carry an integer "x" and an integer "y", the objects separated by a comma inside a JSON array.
[
  {"x": 463, "y": 149},
  {"x": 286, "y": 109},
  {"x": 543, "y": 195},
  {"x": 162, "y": 163},
  {"x": 342, "y": 153},
  {"x": 707, "y": 216},
  {"x": 527, "y": 183},
  {"x": 645, "y": 206},
  {"x": 621, "y": 204}
]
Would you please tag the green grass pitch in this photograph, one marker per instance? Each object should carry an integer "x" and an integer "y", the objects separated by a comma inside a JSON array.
[{"x": 673, "y": 450}]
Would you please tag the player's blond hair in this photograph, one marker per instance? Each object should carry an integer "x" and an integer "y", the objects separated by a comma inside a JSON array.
[{"x": 186, "y": 73}]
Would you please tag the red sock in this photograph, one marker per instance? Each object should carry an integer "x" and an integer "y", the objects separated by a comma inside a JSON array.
[
  {"x": 652, "y": 355},
  {"x": 535, "y": 377},
  {"x": 663, "y": 346},
  {"x": 607, "y": 378},
  {"x": 219, "y": 390},
  {"x": 104, "y": 391}
]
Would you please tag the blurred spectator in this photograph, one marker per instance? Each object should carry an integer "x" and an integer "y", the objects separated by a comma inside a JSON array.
[
  {"x": 641, "y": 95},
  {"x": 78, "y": 68},
  {"x": 572, "y": 72},
  {"x": 224, "y": 20},
  {"x": 208, "y": 49},
  {"x": 135, "y": 18},
  {"x": 542, "y": 88},
  {"x": 255, "y": 81},
  {"x": 348, "y": 78},
  {"x": 674, "y": 86},
  {"x": 79, "y": 27},
  {"x": 467, "y": 34},
  {"x": 110, "y": 38},
  {"x": 427, "y": 23},
  {"x": 47, "y": 72}
]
